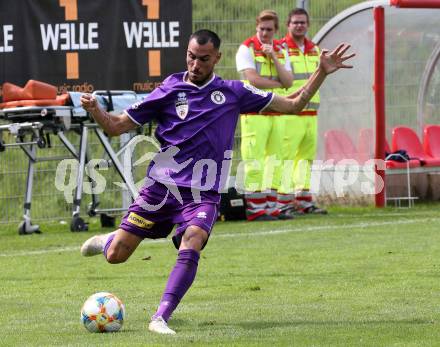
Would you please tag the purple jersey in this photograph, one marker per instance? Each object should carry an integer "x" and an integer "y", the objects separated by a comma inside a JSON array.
[{"x": 196, "y": 127}]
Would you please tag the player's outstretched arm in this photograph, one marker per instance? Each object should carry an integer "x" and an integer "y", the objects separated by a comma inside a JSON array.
[
  {"x": 112, "y": 125},
  {"x": 329, "y": 62}
]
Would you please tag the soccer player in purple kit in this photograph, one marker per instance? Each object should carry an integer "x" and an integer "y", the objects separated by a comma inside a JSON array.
[{"x": 196, "y": 114}]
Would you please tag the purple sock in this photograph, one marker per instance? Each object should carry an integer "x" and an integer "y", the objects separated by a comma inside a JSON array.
[
  {"x": 107, "y": 244},
  {"x": 181, "y": 278}
]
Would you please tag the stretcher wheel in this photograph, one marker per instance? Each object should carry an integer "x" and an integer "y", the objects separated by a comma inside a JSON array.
[
  {"x": 41, "y": 142},
  {"x": 91, "y": 210}
]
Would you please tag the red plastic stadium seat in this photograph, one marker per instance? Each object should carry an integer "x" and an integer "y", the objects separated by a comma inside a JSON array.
[
  {"x": 366, "y": 144},
  {"x": 431, "y": 140},
  {"x": 366, "y": 147},
  {"x": 391, "y": 164},
  {"x": 338, "y": 146},
  {"x": 406, "y": 138}
]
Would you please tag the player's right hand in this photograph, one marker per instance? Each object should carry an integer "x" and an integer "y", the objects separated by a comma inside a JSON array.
[
  {"x": 267, "y": 49},
  {"x": 89, "y": 102}
]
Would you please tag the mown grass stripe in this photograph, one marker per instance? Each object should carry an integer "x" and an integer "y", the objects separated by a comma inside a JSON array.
[{"x": 247, "y": 233}]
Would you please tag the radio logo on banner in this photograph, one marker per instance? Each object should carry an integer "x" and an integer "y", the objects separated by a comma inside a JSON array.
[
  {"x": 151, "y": 34},
  {"x": 83, "y": 45},
  {"x": 70, "y": 36},
  {"x": 74, "y": 36}
]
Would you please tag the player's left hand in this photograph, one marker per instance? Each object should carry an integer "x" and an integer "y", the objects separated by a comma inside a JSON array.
[{"x": 329, "y": 62}]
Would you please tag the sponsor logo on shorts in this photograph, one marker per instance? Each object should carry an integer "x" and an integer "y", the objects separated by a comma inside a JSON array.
[
  {"x": 139, "y": 221},
  {"x": 201, "y": 215}
]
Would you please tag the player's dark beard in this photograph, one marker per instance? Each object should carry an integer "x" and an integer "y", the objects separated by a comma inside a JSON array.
[{"x": 202, "y": 82}]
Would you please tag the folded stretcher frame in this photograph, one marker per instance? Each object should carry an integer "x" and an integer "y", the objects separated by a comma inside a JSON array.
[{"x": 31, "y": 126}]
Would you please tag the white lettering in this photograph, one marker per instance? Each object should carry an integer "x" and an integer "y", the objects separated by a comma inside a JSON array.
[
  {"x": 93, "y": 34},
  {"x": 74, "y": 43},
  {"x": 7, "y": 38},
  {"x": 197, "y": 177},
  {"x": 242, "y": 172},
  {"x": 98, "y": 184},
  {"x": 61, "y": 175},
  {"x": 49, "y": 36},
  {"x": 174, "y": 32},
  {"x": 133, "y": 32},
  {"x": 69, "y": 36},
  {"x": 375, "y": 182},
  {"x": 156, "y": 44},
  {"x": 346, "y": 174},
  {"x": 269, "y": 170},
  {"x": 164, "y": 43},
  {"x": 225, "y": 171},
  {"x": 64, "y": 35},
  {"x": 148, "y": 35},
  {"x": 151, "y": 34}
]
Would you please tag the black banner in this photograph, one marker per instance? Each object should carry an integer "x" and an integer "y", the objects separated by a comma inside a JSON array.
[{"x": 84, "y": 45}]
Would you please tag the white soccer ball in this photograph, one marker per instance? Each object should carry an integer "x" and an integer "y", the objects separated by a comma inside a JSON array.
[{"x": 103, "y": 312}]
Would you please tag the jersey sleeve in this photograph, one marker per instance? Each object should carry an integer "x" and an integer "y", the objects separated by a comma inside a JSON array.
[
  {"x": 252, "y": 99},
  {"x": 144, "y": 111},
  {"x": 244, "y": 59}
]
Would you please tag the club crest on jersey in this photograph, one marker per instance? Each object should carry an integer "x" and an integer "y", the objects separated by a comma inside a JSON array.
[
  {"x": 182, "y": 105},
  {"x": 218, "y": 97}
]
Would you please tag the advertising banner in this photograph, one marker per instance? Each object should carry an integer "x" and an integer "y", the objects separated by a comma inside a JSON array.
[{"x": 83, "y": 45}]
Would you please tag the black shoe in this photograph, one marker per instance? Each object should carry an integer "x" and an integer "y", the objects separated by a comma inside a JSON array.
[
  {"x": 286, "y": 215},
  {"x": 314, "y": 210},
  {"x": 298, "y": 212},
  {"x": 290, "y": 211},
  {"x": 308, "y": 207},
  {"x": 264, "y": 217}
]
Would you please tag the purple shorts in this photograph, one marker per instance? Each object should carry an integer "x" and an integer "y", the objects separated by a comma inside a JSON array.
[{"x": 154, "y": 213}]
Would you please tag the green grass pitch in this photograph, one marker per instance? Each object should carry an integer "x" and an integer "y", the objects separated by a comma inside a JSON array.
[{"x": 357, "y": 277}]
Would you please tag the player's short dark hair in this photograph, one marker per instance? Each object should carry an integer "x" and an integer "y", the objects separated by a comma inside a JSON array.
[
  {"x": 203, "y": 36},
  {"x": 297, "y": 11}
]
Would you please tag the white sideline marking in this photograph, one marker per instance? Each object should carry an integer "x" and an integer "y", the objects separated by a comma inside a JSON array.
[
  {"x": 243, "y": 234},
  {"x": 327, "y": 227},
  {"x": 41, "y": 251}
]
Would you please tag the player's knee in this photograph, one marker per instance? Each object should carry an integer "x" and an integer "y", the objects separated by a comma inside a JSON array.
[
  {"x": 194, "y": 238},
  {"x": 115, "y": 257}
]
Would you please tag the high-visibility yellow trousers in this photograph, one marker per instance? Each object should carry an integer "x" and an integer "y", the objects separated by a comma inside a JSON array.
[
  {"x": 299, "y": 150},
  {"x": 261, "y": 151}
]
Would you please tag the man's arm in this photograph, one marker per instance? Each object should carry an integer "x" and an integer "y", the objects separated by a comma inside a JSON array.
[
  {"x": 328, "y": 63},
  {"x": 258, "y": 81},
  {"x": 246, "y": 66},
  {"x": 112, "y": 125},
  {"x": 285, "y": 76}
]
